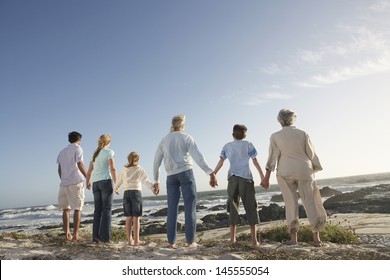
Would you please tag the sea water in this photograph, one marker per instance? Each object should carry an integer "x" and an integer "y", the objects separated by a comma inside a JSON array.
[{"x": 30, "y": 219}]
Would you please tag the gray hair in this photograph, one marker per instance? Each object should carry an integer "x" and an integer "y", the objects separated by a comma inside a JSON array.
[
  {"x": 178, "y": 122},
  {"x": 286, "y": 117}
]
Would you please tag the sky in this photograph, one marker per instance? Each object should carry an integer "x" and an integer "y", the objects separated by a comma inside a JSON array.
[{"x": 127, "y": 67}]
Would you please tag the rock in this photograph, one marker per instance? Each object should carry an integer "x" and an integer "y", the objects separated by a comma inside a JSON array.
[
  {"x": 328, "y": 192},
  {"x": 218, "y": 207},
  {"x": 157, "y": 228},
  {"x": 374, "y": 199},
  {"x": 325, "y": 192},
  {"x": 272, "y": 212},
  {"x": 160, "y": 213},
  {"x": 219, "y": 220},
  {"x": 117, "y": 211},
  {"x": 164, "y": 212}
]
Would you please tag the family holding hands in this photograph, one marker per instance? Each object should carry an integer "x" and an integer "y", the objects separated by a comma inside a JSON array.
[{"x": 291, "y": 153}]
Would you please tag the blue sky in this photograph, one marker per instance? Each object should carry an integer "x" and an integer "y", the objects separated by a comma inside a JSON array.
[{"x": 126, "y": 67}]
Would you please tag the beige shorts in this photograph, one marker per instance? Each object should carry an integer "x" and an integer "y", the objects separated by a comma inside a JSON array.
[{"x": 71, "y": 197}]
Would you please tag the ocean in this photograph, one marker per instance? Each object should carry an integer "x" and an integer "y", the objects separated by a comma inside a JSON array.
[{"x": 30, "y": 219}]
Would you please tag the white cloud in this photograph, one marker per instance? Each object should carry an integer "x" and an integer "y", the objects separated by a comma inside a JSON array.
[
  {"x": 261, "y": 98},
  {"x": 345, "y": 73},
  {"x": 314, "y": 57},
  {"x": 381, "y": 6},
  {"x": 272, "y": 69},
  {"x": 364, "y": 53}
]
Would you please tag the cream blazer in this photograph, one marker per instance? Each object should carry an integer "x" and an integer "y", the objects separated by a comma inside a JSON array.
[{"x": 292, "y": 154}]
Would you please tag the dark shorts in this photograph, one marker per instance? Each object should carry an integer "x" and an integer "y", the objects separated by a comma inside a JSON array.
[
  {"x": 132, "y": 203},
  {"x": 245, "y": 189}
]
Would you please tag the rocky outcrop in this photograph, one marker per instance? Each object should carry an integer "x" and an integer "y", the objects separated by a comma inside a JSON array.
[
  {"x": 325, "y": 192},
  {"x": 367, "y": 200}
]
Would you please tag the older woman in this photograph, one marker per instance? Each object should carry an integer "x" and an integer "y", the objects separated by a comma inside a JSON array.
[
  {"x": 292, "y": 154},
  {"x": 177, "y": 149}
]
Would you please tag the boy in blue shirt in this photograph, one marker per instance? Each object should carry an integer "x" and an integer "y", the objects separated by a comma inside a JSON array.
[{"x": 240, "y": 181}]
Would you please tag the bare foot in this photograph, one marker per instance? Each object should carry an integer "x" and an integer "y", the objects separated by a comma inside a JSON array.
[
  {"x": 291, "y": 242},
  {"x": 256, "y": 245},
  {"x": 131, "y": 242},
  {"x": 69, "y": 237},
  {"x": 139, "y": 243},
  {"x": 172, "y": 246},
  {"x": 76, "y": 238},
  {"x": 192, "y": 245}
]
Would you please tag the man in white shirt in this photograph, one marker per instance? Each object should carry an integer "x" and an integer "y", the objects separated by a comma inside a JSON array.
[{"x": 72, "y": 173}]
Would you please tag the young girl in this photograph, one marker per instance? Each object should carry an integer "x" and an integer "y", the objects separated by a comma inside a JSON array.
[{"x": 132, "y": 177}]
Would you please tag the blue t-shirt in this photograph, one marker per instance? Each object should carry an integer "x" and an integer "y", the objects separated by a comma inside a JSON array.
[
  {"x": 239, "y": 152},
  {"x": 101, "y": 169}
]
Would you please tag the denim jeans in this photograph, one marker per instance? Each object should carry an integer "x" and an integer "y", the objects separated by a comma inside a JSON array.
[
  {"x": 102, "y": 196},
  {"x": 184, "y": 183}
]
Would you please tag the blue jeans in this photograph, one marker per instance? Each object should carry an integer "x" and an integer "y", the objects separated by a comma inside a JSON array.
[
  {"x": 183, "y": 182},
  {"x": 102, "y": 196}
]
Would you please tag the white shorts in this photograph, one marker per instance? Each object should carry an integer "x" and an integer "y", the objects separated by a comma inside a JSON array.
[{"x": 71, "y": 197}]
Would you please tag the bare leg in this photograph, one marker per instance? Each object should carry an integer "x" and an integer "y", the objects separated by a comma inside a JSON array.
[
  {"x": 317, "y": 240},
  {"x": 129, "y": 221},
  {"x": 65, "y": 220},
  {"x": 233, "y": 234},
  {"x": 254, "y": 235},
  {"x": 136, "y": 224},
  {"x": 294, "y": 236},
  {"x": 76, "y": 224}
]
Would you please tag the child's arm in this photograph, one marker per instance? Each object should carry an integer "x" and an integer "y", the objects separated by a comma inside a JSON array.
[
  {"x": 219, "y": 165},
  {"x": 258, "y": 167},
  {"x": 119, "y": 182}
]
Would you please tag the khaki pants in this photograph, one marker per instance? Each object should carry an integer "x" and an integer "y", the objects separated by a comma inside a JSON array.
[{"x": 311, "y": 200}]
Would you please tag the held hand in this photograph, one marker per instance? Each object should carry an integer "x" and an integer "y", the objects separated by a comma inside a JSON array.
[
  {"x": 213, "y": 180},
  {"x": 156, "y": 189},
  {"x": 88, "y": 185},
  {"x": 117, "y": 192},
  {"x": 265, "y": 183}
]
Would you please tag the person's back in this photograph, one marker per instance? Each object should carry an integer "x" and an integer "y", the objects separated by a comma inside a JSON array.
[
  {"x": 101, "y": 170},
  {"x": 239, "y": 152},
  {"x": 296, "y": 153},
  {"x": 175, "y": 147},
  {"x": 68, "y": 159},
  {"x": 134, "y": 177}
]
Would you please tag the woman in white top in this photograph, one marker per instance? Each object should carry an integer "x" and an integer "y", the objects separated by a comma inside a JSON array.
[
  {"x": 132, "y": 177},
  {"x": 293, "y": 153}
]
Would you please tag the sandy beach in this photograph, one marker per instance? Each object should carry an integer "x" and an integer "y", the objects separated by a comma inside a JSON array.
[{"x": 373, "y": 231}]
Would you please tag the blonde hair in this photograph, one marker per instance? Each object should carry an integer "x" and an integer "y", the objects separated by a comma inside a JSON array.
[
  {"x": 103, "y": 141},
  {"x": 178, "y": 122},
  {"x": 132, "y": 159}
]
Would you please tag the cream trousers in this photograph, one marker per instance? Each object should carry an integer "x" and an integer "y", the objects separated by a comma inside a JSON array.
[{"x": 311, "y": 200}]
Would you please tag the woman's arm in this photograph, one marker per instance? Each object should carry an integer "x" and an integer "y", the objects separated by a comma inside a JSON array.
[
  {"x": 89, "y": 173},
  {"x": 111, "y": 165}
]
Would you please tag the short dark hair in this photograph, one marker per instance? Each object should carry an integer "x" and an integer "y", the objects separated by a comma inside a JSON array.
[
  {"x": 74, "y": 136},
  {"x": 239, "y": 131}
]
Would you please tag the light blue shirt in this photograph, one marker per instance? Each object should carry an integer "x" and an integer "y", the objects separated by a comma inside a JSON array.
[
  {"x": 101, "y": 169},
  {"x": 177, "y": 149},
  {"x": 239, "y": 152}
]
